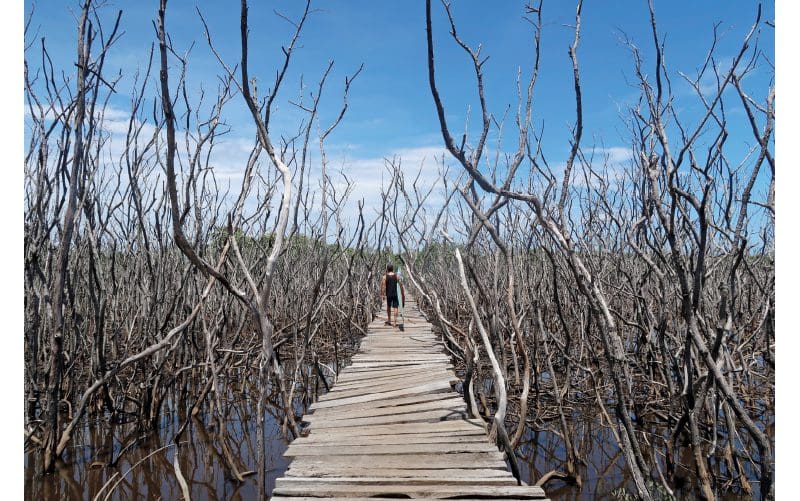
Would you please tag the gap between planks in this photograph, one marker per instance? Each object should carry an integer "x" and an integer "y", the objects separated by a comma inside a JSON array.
[{"x": 391, "y": 425}]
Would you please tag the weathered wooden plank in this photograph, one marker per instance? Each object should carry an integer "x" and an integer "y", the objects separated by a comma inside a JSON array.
[
  {"x": 401, "y": 358},
  {"x": 375, "y": 379},
  {"x": 417, "y": 341},
  {"x": 475, "y": 474},
  {"x": 352, "y": 373},
  {"x": 411, "y": 417},
  {"x": 412, "y": 390},
  {"x": 411, "y": 429},
  {"x": 430, "y": 344},
  {"x": 384, "y": 387},
  {"x": 336, "y": 413},
  {"x": 405, "y": 352},
  {"x": 457, "y": 425},
  {"x": 382, "y": 448},
  {"x": 411, "y": 354},
  {"x": 327, "y": 487},
  {"x": 385, "y": 366},
  {"x": 348, "y": 375},
  {"x": 465, "y": 460},
  {"x": 381, "y": 376},
  {"x": 413, "y": 334},
  {"x": 413, "y": 346},
  {"x": 408, "y": 438},
  {"x": 378, "y": 498},
  {"x": 391, "y": 480},
  {"x": 408, "y": 339},
  {"x": 379, "y": 381},
  {"x": 392, "y": 401},
  {"x": 397, "y": 364},
  {"x": 401, "y": 344},
  {"x": 453, "y": 404},
  {"x": 410, "y": 330}
]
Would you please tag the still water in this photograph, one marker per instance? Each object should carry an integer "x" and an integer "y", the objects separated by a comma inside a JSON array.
[{"x": 145, "y": 470}]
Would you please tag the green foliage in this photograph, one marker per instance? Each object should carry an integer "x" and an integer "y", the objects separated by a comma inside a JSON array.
[
  {"x": 435, "y": 251},
  {"x": 657, "y": 491}
]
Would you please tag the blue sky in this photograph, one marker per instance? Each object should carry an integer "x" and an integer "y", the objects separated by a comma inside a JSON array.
[{"x": 391, "y": 110}]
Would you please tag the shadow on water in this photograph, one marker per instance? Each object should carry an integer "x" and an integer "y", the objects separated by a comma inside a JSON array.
[
  {"x": 605, "y": 473},
  {"x": 145, "y": 470},
  {"x": 120, "y": 462}
]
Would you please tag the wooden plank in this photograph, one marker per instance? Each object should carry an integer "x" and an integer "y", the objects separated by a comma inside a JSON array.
[
  {"x": 418, "y": 340},
  {"x": 411, "y": 417},
  {"x": 375, "y": 366},
  {"x": 327, "y": 487},
  {"x": 379, "y": 356},
  {"x": 386, "y": 353},
  {"x": 381, "y": 448},
  {"x": 392, "y": 402},
  {"x": 431, "y": 346},
  {"x": 410, "y": 334},
  {"x": 401, "y": 344},
  {"x": 384, "y": 387},
  {"x": 298, "y": 470},
  {"x": 395, "y": 363},
  {"x": 400, "y": 358},
  {"x": 335, "y": 413},
  {"x": 412, "y": 390},
  {"x": 390, "y": 377},
  {"x": 347, "y": 376},
  {"x": 334, "y": 434},
  {"x": 456, "y": 425},
  {"x": 392, "y": 480},
  {"x": 412, "y": 329},
  {"x": 379, "y": 382},
  {"x": 403, "y": 353},
  {"x": 465, "y": 460},
  {"x": 378, "y": 498},
  {"x": 386, "y": 348},
  {"x": 381, "y": 377},
  {"x": 408, "y": 438},
  {"x": 415, "y": 328}
]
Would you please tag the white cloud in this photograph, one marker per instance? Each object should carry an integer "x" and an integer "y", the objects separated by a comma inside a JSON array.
[
  {"x": 363, "y": 177},
  {"x": 370, "y": 176},
  {"x": 610, "y": 163}
]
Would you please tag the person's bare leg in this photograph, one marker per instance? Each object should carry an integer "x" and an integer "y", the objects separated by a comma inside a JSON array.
[
  {"x": 389, "y": 313},
  {"x": 396, "y": 316}
]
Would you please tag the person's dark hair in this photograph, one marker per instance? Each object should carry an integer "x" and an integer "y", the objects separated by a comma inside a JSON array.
[{"x": 389, "y": 267}]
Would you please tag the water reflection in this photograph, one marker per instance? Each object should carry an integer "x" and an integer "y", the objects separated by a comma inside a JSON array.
[
  {"x": 145, "y": 469},
  {"x": 118, "y": 461},
  {"x": 605, "y": 471}
]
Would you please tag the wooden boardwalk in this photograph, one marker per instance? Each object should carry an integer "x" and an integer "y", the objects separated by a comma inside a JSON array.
[{"x": 393, "y": 426}]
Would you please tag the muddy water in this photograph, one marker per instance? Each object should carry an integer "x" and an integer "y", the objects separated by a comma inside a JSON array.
[
  {"x": 145, "y": 471},
  {"x": 605, "y": 474}
]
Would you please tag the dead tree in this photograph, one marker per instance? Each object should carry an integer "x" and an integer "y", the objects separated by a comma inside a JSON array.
[{"x": 553, "y": 226}]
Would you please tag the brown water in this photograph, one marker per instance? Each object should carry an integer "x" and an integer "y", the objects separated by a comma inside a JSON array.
[
  {"x": 605, "y": 474},
  {"x": 145, "y": 470}
]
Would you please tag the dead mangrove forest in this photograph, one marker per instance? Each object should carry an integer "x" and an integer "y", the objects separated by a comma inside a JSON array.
[{"x": 180, "y": 325}]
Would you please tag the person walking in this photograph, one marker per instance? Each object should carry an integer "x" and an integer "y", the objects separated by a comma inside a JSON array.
[{"x": 389, "y": 285}]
